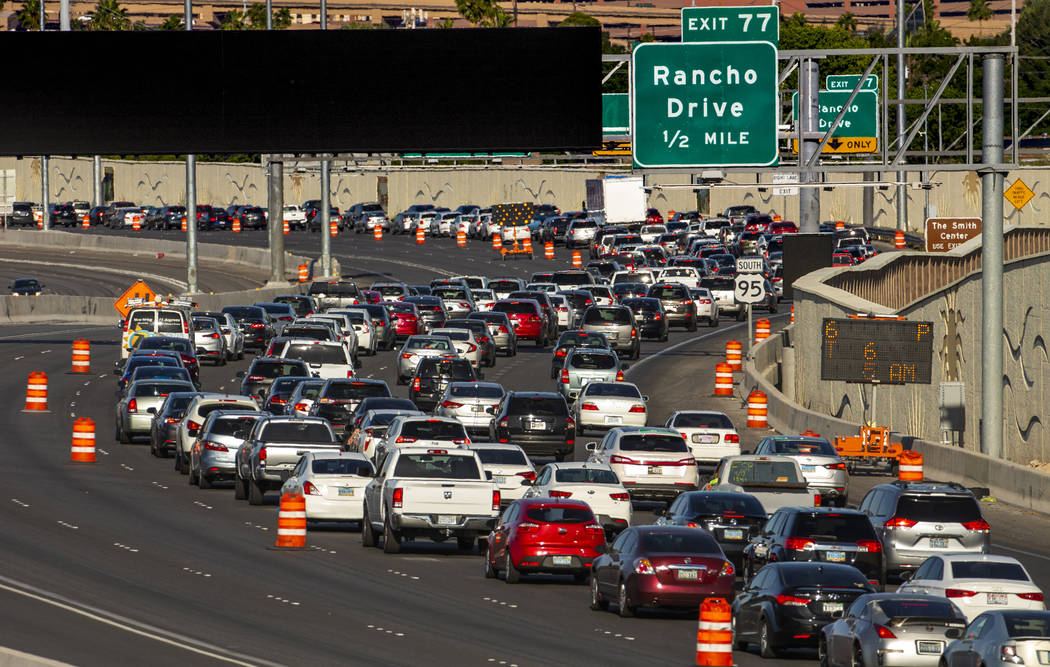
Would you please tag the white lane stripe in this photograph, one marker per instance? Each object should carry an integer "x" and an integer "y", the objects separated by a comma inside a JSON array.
[
  {"x": 126, "y": 624},
  {"x": 51, "y": 333},
  {"x": 1021, "y": 551}
]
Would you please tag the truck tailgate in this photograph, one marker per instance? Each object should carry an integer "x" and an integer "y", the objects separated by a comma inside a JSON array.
[
  {"x": 446, "y": 497},
  {"x": 286, "y": 455}
]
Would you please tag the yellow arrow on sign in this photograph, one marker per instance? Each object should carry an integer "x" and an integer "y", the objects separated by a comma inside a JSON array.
[{"x": 846, "y": 145}]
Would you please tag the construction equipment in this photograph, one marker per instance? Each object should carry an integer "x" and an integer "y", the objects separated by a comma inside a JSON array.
[{"x": 872, "y": 448}]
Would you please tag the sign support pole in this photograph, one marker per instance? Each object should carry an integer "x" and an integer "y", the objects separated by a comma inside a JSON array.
[
  {"x": 191, "y": 192},
  {"x": 276, "y": 222},
  {"x": 809, "y": 122},
  {"x": 750, "y": 332}
]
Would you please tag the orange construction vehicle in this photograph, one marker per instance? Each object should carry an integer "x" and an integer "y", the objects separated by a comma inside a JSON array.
[{"x": 871, "y": 448}]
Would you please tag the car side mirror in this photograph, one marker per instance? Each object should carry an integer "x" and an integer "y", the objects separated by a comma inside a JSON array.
[
  {"x": 906, "y": 575},
  {"x": 591, "y": 446},
  {"x": 953, "y": 633},
  {"x": 152, "y": 411},
  {"x": 488, "y": 475},
  {"x": 645, "y": 398},
  {"x": 526, "y": 482}
]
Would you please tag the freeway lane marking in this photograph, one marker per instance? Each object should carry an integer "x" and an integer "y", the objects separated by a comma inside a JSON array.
[
  {"x": 387, "y": 631},
  {"x": 19, "y": 502},
  {"x": 128, "y": 624},
  {"x": 68, "y": 525},
  {"x": 283, "y": 600},
  {"x": 1021, "y": 551},
  {"x": 52, "y": 333},
  {"x": 19, "y": 357},
  {"x": 616, "y": 635},
  {"x": 103, "y": 269},
  {"x": 196, "y": 572},
  {"x": 125, "y": 547}
]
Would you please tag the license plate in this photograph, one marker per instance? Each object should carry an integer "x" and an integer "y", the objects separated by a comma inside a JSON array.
[
  {"x": 538, "y": 426},
  {"x": 832, "y": 607},
  {"x": 836, "y": 557},
  {"x": 733, "y": 534},
  {"x": 687, "y": 575},
  {"x": 656, "y": 470},
  {"x": 613, "y": 420},
  {"x": 929, "y": 648},
  {"x": 705, "y": 438},
  {"x": 939, "y": 542},
  {"x": 446, "y": 520},
  {"x": 346, "y": 490},
  {"x": 500, "y": 479},
  {"x": 479, "y": 408},
  {"x": 561, "y": 560},
  {"x": 807, "y": 468},
  {"x": 997, "y": 598}
]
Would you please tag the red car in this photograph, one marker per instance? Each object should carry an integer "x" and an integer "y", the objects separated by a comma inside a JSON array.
[
  {"x": 544, "y": 535},
  {"x": 371, "y": 296},
  {"x": 404, "y": 317},
  {"x": 653, "y": 217},
  {"x": 783, "y": 227},
  {"x": 526, "y": 316},
  {"x": 660, "y": 566},
  {"x": 842, "y": 259}
]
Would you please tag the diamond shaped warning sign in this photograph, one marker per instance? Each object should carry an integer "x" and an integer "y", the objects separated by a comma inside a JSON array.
[
  {"x": 1019, "y": 194},
  {"x": 138, "y": 294}
]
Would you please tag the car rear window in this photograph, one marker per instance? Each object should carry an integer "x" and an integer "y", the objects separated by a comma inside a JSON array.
[
  {"x": 917, "y": 609},
  {"x": 559, "y": 514},
  {"x": 941, "y": 509},
  {"x": 507, "y": 457},
  {"x": 585, "y": 476},
  {"x": 339, "y": 466},
  {"x": 702, "y": 420},
  {"x": 241, "y": 313},
  {"x": 982, "y": 570},
  {"x": 146, "y": 372},
  {"x": 833, "y": 527},
  {"x": 474, "y": 391},
  {"x": 297, "y": 431},
  {"x": 430, "y": 344},
  {"x": 276, "y": 369},
  {"x": 317, "y": 354},
  {"x": 204, "y": 324},
  {"x": 503, "y": 285},
  {"x": 434, "y": 429},
  {"x": 238, "y": 427},
  {"x": 315, "y": 333},
  {"x": 355, "y": 390},
  {"x": 620, "y": 316},
  {"x": 816, "y": 575},
  {"x": 722, "y": 503},
  {"x": 169, "y": 321},
  {"x": 515, "y": 307},
  {"x": 158, "y": 343},
  {"x": 667, "y": 292},
  {"x": 812, "y": 447},
  {"x": 593, "y": 361},
  {"x": 454, "y": 369},
  {"x": 1027, "y": 624},
  {"x": 538, "y": 405},
  {"x": 437, "y": 466},
  {"x": 613, "y": 389},
  {"x": 758, "y": 472},
  {"x": 719, "y": 284},
  {"x": 160, "y": 388},
  {"x": 692, "y": 542},
  {"x": 652, "y": 442}
]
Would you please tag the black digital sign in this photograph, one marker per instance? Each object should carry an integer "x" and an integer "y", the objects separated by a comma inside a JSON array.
[{"x": 876, "y": 351}]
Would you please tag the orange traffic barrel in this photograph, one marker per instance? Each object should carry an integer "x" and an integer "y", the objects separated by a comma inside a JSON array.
[
  {"x": 527, "y": 244},
  {"x": 333, "y": 228},
  {"x": 840, "y": 225},
  {"x": 714, "y": 635},
  {"x": 183, "y": 223},
  {"x": 548, "y": 250},
  {"x": 461, "y": 239},
  {"x": 86, "y": 222},
  {"x": 910, "y": 466},
  {"x": 291, "y": 521},
  {"x": 723, "y": 379},
  {"x": 83, "y": 449},
  {"x": 136, "y": 223},
  {"x": 236, "y": 226},
  {"x": 377, "y": 232},
  {"x": 898, "y": 239},
  {"x": 36, "y": 392},
  {"x": 304, "y": 272},
  {"x": 287, "y": 227},
  {"x": 39, "y": 217},
  {"x": 762, "y": 329},
  {"x": 81, "y": 356},
  {"x": 577, "y": 260},
  {"x": 497, "y": 242},
  {"x": 757, "y": 409},
  {"x": 777, "y": 218},
  {"x": 421, "y": 236},
  {"x": 792, "y": 314},
  {"x": 735, "y": 355},
  {"x": 810, "y": 433}
]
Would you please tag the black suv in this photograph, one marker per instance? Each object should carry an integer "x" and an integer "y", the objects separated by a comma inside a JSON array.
[
  {"x": 433, "y": 375},
  {"x": 731, "y": 518},
  {"x": 338, "y": 399},
  {"x": 678, "y": 305},
  {"x": 255, "y": 323},
  {"x": 264, "y": 370},
  {"x": 538, "y": 421},
  {"x": 817, "y": 534},
  {"x": 649, "y": 316},
  {"x": 62, "y": 214}
]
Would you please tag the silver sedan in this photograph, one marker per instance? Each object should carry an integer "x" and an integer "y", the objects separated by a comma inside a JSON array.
[
  {"x": 603, "y": 405},
  {"x": 209, "y": 341},
  {"x": 584, "y": 365},
  {"x": 142, "y": 400},
  {"x": 470, "y": 403},
  {"x": 418, "y": 347}
]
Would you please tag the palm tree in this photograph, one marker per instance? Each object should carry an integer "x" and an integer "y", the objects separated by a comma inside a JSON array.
[
  {"x": 109, "y": 15},
  {"x": 979, "y": 11},
  {"x": 29, "y": 15},
  {"x": 848, "y": 21}
]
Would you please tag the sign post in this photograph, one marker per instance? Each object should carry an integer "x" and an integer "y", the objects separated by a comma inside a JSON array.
[{"x": 615, "y": 114}]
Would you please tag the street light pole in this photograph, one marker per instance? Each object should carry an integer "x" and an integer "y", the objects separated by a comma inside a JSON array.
[{"x": 191, "y": 193}]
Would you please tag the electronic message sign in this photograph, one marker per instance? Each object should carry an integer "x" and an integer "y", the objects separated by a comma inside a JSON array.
[{"x": 876, "y": 351}]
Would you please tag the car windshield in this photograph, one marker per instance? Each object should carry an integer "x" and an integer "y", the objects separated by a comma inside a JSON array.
[
  {"x": 297, "y": 431},
  {"x": 476, "y": 391},
  {"x": 917, "y": 609},
  {"x": 1027, "y": 624},
  {"x": 237, "y": 427},
  {"x": 812, "y": 447},
  {"x": 339, "y": 466},
  {"x": 614, "y": 389},
  {"x": 702, "y": 420},
  {"x": 434, "y": 429},
  {"x": 652, "y": 442},
  {"x": 144, "y": 389},
  {"x": 275, "y": 369},
  {"x": 691, "y": 542},
  {"x": 355, "y": 390},
  {"x": 585, "y": 476},
  {"x": 983, "y": 570},
  {"x": 833, "y": 527},
  {"x": 759, "y": 472},
  {"x": 508, "y": 457},
  {"x": 437, "y": 466},
  {"x": 313, "y": 353},
  {"x": 593, "y": 361},
  {"x": 941, "y": 509},
  {"x": 822, "y": 575},
  {"x": 559, "y": 514},
  {"x": 430, "y": 344},
  {"x": 538, "y": 405}
]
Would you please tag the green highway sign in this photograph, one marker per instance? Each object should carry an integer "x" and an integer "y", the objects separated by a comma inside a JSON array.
[
  {"x": 616, "y": 115},
  {"x": 731, "y": 24},
  {"x": 848, "y": 82},
  {"x": 859, "y": 130},
  {"x": 704, "y": 104}
]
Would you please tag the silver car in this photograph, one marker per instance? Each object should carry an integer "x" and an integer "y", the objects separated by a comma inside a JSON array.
[
  {"x": 618, "y": 326},
  {"x": 706, "y": 305},
  {"x": 603, "y": 405},
  {"x": 580, "y": 233},
  {"x": 301, "y": 400},
  {"x": 584, "y": 365},
  {"x": 364, "y": 328},
  {"x": 230, "y": 330},
  {"x": 502, "y": 287},
  {"x": 467, "y": 347},
  {"x": 209, "y": 341},
  {"x": 892, "y": 629},
  {"x": 418, "y": 347},
  {"x": 212, "y": 454},
  {"x": 142, "y": 400},
  {"x": 821, "y": 465},
  {"x": 457, "y": 300},
  {"x": 563, "y": 309},
  {"x": 372, "y": 430},
  {"x": 501, "y": 329},
  {"x": 470, "y": 403},
  {"x": 1002, "y": 637}
]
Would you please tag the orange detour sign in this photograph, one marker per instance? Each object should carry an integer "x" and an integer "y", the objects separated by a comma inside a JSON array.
[{"x": 139, "y": 293}]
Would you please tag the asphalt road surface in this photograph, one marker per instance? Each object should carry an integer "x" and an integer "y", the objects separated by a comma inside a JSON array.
[{"x": 108, "y": 563}]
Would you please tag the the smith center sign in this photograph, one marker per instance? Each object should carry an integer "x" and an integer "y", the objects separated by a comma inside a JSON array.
[{"x": 704, "y": 104}]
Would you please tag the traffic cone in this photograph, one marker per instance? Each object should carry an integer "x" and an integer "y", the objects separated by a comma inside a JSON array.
[
  {"x": 183, "y": 223},
  {"x": 548, "y": 250},
  {"x": 85, "y": 223},
  {"x": 461, "y": 239},
  {"x": 83, "y": 449},
  {"x": 723, "y": 379},
  {"x": 909, "y": 468},
  {"x": 377, "y": 232},
  {"x": 757, "y": 409},
  {"x": 304, "y": 272},
  {"x": 421, "y": 236},
  {"x": 236, "y": 226},
  {"x": 761, "y": 329},
  {"x": 287, "y": 228},
  {"x": 898, "y": 240},
  {"x": 734, "y": 355},
  {"x": 497, "y": 242},
  {"x": 333, "y": 228},
  {"x": 577, "y": 260}
]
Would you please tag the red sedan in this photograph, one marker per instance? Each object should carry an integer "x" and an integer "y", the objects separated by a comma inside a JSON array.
[
  {"x": 658, "y": 567},
  {"x": 545, "y": 535},
  {"x": 404, "y": 317},
  {"x": 527, "y": 317}
]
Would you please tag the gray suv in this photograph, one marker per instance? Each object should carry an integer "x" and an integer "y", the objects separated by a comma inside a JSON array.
[
  {"x": 915, "y": 520},
  {"x": 618, "y": 325}
]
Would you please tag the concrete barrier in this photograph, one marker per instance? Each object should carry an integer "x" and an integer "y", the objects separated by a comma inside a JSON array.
[{"x": 1006, "y": 481}]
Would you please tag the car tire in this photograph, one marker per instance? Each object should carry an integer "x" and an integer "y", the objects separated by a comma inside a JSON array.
[
  {"x": 240, "y": 355},
  {"x": 391, "y": 542},
  {"x": 712, "y": 322},
  {"x": 193, "y": 479},
  {"x": 738, "y": 644},
  {"x": 490, "y": 569},
  {"x": 465, "y": 542},
  {"x": 511, "y": 574},
  {"x": 153, "y": 448},
  {"x": 741, "y": 315},
  {"x": 663, "y": 337},
  {"x": 857, "y": 657},
  {"x": 182, "y": 460},
  {"x": 765, "y": 646},
  {"x": 204, "y": 481},
  {"x": 401, "y": 380},
  {"x": 691, "y": 326},
  {"x": 368, "y": 533},
  {"x": 581, "y": 577},
  {"x": 240, "y": 489},
  {"x": 822, "y": 652},
  {"x": 598, "y": 601},
  {"x": 256, "y": 494},
  {"x": 637, "y": 352},
  {"x": 626, "y": 609},
  {"x": 122, "y": 436}
]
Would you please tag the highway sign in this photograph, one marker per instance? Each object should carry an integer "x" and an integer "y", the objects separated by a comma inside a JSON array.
[
  {"x": 785, "y": 185},
  {"x": 1019, "y": 194},
  {"x": 848, "y": 82},
  {"x": 943, "y": 234},
  {"x": 749, "y": 288},
  {"x": 698, "y": 105},
  {"x": 731, "y": 24},
  {"x": 616, "y": 116},
  {"x": 876, "y": 351},
  {"x": 749, "y": 264},
  {"x": 859, "y": 130},
  {"x": 140, "y": 292}
]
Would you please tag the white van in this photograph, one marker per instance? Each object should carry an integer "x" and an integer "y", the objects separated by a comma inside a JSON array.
[{"x": 161, "y": 320}]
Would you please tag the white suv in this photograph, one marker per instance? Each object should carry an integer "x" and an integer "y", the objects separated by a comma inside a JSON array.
[
  {"x": 652, "y": 463},
  {"x": 196, "y": 413}
]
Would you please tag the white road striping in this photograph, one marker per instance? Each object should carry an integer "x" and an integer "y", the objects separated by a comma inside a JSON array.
[
  {"x": 1021, "y": 551},
  {"x": 35, "y": 334},
  {"x": 103, "y": 269}
]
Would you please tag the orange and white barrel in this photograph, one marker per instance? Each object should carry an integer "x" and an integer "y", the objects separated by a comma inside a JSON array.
[
  {"x": 461, "y": 239},
  {"x": 287, "y": 228},
  {"x": 291, "y": 521},
  {"x": 421, "y": 236},
  {"x": 183, "y": 223},
  {"x": 304, "y": 272},
  {"x": 236, "y": 226},
  {"x": 910, "y": 466},
  {"x": 757, "y": 409},
  {"x": 577, "y": 259},
  {"x": 898, "y": 240},
  {"x": 83, "y": 449},
  {"x": 761, "y": 329},
  {"x": 839, "y": 225},
  {"x": 81, "y": 356},
  {"x": 39, "y": 218},
  {"x": 85, "y": 222},
  {"x": 548, "y": 250},
  {"x": 714, "y": 635},
  {"x": 792, "y": 314},
  {"x": 497, "y": 242},
  {"x": 735, "y": 355},
  {"x": 333, "y": 228},
  {"x": 723, "y": 379},
  {"x": 527, "y": 244},
  {"x": 377, "y": 232},
  {"x": 36, "y": 392}
]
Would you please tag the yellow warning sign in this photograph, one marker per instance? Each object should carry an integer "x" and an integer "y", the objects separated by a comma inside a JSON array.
[
  {"x": 613, "y": 148},
  {"x": 139, "y": 293},
  {"x": 845, "y": 145},
  {"x": 1019, "y": 194}
]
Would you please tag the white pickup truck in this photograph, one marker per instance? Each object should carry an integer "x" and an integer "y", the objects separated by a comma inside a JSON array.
[
  {"x": 427, "y": 492},
  {"x": 294, "y": 216},
  {"x": 776, "y": 481}
]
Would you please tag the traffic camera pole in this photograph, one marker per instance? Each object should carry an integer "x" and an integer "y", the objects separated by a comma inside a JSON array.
[
  {"x": 992, "y": 260},
  {"x": 902, "y": 191},
  {"x": 809, "y": 123},
  {"x": 326, "y": 185},
  {"x": 96, "y": 175},
  {"x": 45, "y": 166},
  {"x": 275, "y": 206},
  {"x": 191, "y": 194}
]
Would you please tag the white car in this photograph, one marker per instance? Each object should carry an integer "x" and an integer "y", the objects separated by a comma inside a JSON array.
[
  {"x": 650, "y": 233},
  {"x": 594, "y": 483},
  {"x": 710, "y": 435},
  {"x": 301, "y": 401},
  {"x": 326, "y": 359},
  {"x": 196, "y": 414},
  {"x": 509, "y": 466},
  {"x": 364, "y": 328},
  {"x": 467, "y": 347},
  {"x": 706, "y": 305},
  {"x": 976, "y": 583},
  {"x": 294, "y": 216},
  {"x": 372, "y": 430},
  {"x": 549, "y": 288},
  {"x": 564, "y": 311},
  {"x": 652, "y": 463},
  {"x": 423, "y": 431},
  {"x": 344, "y": 326},
  {"x": 332, "y": 484},
  {"x": 469, "y": 402},
  {"x": 685, "y": 275},
  {"x": 484, "y": 299},
  {"x": 602, "y": 294},
  {"x": 602, "y": 405}
]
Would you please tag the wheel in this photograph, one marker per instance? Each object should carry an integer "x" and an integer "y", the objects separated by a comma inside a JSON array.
[
  {"x": 712, "y": 322},
  {"x": 240, "y": 355},
  {"x": 121, "y": 435},
  {"x": 738, "y": 644},
  {"x": 256, "y": 493},
  {"x": 391, "y": 542},
  {"x": 857, "y": 659},
  {"x": 773, "y": 307},
  {"x": 490, "y": 571},
  {"x": 465, "y": 542},
  {"x": 204, "y": 481},
  {"x": 240, "y": 489},
  {"x": 822, "y": 653},
  {"x": 401, "y": 380},
  {"x": 183, "y": 464},
  {"x": 193, "y": 477},
  {"x": 598, "y": 601},
  {"x": 765, "y": 648},
  {"x": 746, "y": 573},
  {"x": 691, "y": 326},
  {"x": 368, "y": 533},
  {"x": 153, "y": 447},
  {"x": 741, "y": 315},
  {"x": 637, "y": 353},
  {"x": 663, "y": 337},
  {"x": 626, "y": 608},
  {"x": 222, "y": 360},
  {"x": 510, "y": 573}
]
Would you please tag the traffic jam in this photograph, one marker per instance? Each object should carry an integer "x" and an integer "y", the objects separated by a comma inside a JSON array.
[{"x": 654, "y": 515}]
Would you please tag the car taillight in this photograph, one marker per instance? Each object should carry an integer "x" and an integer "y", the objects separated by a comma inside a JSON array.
[
  {"x": 620, "y": 496},
  {"x": 278, "y": 399},
  {"x": 405, "y": 438},
  {"x": 835, "y": 466},
  {"x": 405, "y": 355},
  {"x": 656, "y": 316},
  {"x": 185, "y": 327},
  {"x": 899, "y": 522},
  {"x": 529, "y": 475},
  {"x": 461, "y": 441},
  {"x": 560, "y": 352},
  {"x": 262, "y": 454},
  {"x": 528, "y": 527},
  {"x": 798, "y": 543},
  {"x": 190, "y": 424},
  {"x": 588, "y": 406},
  {"x": 565, "y": 376},
  {"x": 731, "y": 437},
  {"x": 871, "y": 546},
  {"x": 495, "y": 500},
  {"x": 884, "y": 632},
  {"x": 979, "y": 526},
  {"x": 503, "y": 423},
  {"x": 816, "y": 500},
  {"x": 637, "y": 408},
  {"x": 503, "y": 329},
  {"x": 1036, "y": 597},
  {"x": 727, "y": 570},
  {"x": 616, "y": 458},
  {"x": 133, "y": 405},
  {"x": 257, "y": 325},
  {"x": 302, "y": 407},
  {"x": 213, "y": 336},
  {"x": 643, "y": 566},
  {"x": 451, "y": 404},
  {"x": 560, "y": 494},
  {"x": 255, "y": 378},
  {"x": 416, "y": 384},
  {"x": 595, "y": 528},
  {"x": 310, "y": 490},
  {"x": 619, "y": 376},
  {"x": 634, "y": 332},
  {"x": 791, "y": 601},
  {"x": 398, "y": 500},
  {"x": 959, "y": 593},
  {"x": 706, "y": 302},
  {"x": 471, "y": 347}
]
